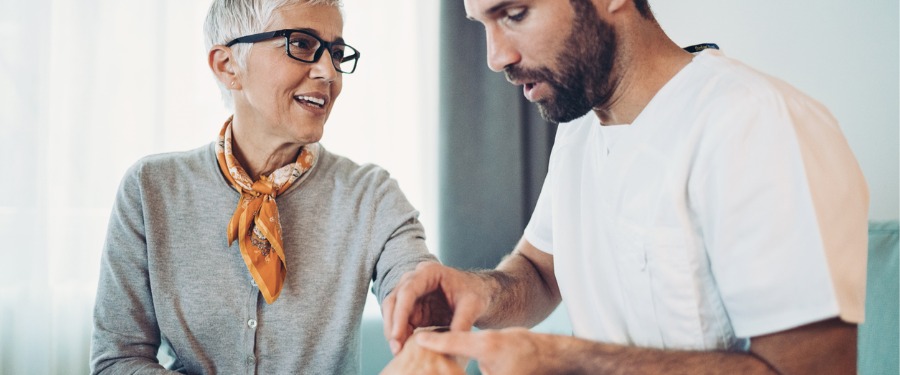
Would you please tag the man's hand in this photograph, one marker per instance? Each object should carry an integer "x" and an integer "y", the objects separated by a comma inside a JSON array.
[
  {"x": 824, "y": 347},
  {"x": 521, "y": 291},
  {"x": 430, "y": 294}
]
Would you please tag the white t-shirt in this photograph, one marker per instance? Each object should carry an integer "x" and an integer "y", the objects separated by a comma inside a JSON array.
[{"x": 732, "y": 207}]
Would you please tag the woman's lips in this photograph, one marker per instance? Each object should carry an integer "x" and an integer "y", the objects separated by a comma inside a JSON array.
[{"x": 312, "y": 104}]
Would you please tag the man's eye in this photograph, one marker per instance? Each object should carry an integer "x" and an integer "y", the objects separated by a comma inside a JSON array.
[{"x": 516, "y": 14}]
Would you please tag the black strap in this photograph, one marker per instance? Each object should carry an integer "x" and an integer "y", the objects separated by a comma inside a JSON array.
[{"x": 700, "y": 47}]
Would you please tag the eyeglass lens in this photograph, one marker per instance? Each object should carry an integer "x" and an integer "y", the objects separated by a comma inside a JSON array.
[{"x": 304, "y": 47}]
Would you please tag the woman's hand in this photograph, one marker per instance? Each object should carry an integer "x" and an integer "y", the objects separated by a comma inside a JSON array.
[
  {"x": 499, "y": 352},
  {"x": 414, "y": 359}
]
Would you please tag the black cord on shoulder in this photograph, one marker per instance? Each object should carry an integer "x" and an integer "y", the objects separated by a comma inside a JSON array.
[{"x": 700, "y": 47}]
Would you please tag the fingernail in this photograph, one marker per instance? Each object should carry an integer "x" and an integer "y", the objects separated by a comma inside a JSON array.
[{"x": 395, "y": 347}]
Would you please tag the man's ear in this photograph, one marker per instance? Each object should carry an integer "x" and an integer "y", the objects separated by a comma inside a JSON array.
[
  {"x": 615, "y": 5},
  {"x": 221, "y": 62}
]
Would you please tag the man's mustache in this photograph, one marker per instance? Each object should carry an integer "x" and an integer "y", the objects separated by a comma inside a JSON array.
[{"x": 515, "y": 73}]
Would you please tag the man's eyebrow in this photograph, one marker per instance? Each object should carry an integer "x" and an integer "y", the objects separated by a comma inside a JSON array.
[{"x": 494, "y": 9}]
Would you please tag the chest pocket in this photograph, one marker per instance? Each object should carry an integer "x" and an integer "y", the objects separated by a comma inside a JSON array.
[{"x": 660, "y": 289}]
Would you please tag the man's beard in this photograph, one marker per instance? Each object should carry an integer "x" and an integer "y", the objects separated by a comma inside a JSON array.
[{"x": 584, "y": 78}]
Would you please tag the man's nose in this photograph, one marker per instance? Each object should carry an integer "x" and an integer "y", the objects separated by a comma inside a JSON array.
[{"x": 501, "y": 51}]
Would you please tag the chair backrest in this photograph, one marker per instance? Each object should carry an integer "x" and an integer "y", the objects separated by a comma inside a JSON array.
[{"x": 879, "y": 335}]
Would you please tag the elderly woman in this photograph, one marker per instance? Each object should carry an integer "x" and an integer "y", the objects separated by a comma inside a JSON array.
[{"x": 253, "y": 254}]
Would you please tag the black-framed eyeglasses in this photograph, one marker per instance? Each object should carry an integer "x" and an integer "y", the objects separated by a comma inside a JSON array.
[{"x": 303, "y": 46}]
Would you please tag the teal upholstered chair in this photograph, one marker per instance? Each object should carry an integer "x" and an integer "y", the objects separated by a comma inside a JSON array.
[{"x": 878, "y": 336}]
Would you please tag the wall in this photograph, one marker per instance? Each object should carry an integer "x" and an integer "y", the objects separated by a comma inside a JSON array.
[{"x": 844, "y": 54}]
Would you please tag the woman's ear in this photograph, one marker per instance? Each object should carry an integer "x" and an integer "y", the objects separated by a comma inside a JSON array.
[{"x": 221, "y": 62}]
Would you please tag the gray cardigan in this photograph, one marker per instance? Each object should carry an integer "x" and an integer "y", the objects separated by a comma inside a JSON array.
[{"x": 168, "y": 278}]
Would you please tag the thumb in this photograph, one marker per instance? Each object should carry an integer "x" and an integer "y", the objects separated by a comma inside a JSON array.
[{"x": 465, "y": 344}]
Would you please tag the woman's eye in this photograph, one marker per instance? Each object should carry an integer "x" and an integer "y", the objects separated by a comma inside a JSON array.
[{"x": 301, "y": 44}]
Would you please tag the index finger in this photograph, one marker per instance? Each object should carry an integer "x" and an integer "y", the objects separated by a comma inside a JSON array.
[{"x": 464, "y": 315}]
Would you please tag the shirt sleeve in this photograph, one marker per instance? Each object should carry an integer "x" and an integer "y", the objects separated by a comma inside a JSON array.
[
  {"x": 539, "y": 231},
  {"x": 770, "y": 225},
  {"x": 126, "y": 336}
]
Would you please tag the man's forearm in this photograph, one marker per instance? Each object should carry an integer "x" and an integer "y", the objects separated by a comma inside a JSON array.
[
  {"x": 572, "y": 355},
  {"x": 521, "y": 295}
]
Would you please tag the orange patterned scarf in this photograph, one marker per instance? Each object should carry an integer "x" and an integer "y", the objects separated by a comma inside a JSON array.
[{"x": 255, "y": 222}]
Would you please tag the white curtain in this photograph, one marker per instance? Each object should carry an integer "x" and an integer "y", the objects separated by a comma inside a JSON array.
[{"x": 89, "y": 86}]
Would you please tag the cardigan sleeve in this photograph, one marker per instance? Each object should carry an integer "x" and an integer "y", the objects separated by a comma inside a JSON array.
[
  {"x": 126, "y": 336},
  {"x": 400, "y": 235}
]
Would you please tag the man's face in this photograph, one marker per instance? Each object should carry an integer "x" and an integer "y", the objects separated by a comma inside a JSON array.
[{"x": 561, "y": 52}]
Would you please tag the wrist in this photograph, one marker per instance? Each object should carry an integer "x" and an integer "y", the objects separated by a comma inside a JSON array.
[{"x": 493, "y": 286}]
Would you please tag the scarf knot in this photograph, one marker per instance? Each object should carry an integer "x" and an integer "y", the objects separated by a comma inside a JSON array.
[
  {"x": 265, "y": 187},
  {"x": 255, "y": 224}
]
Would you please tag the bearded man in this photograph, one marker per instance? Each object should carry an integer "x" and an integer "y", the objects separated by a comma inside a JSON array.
[{"x": 698, "y": 216}]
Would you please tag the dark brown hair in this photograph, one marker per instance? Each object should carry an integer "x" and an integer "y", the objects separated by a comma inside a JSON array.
[{"x": 644, "y": 8}]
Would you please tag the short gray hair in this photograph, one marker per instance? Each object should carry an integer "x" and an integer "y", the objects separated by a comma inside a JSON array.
[{"x": 231, "y": 19}]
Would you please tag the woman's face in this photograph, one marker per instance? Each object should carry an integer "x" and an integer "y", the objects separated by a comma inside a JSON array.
[{"x": 273, "y": 100}]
